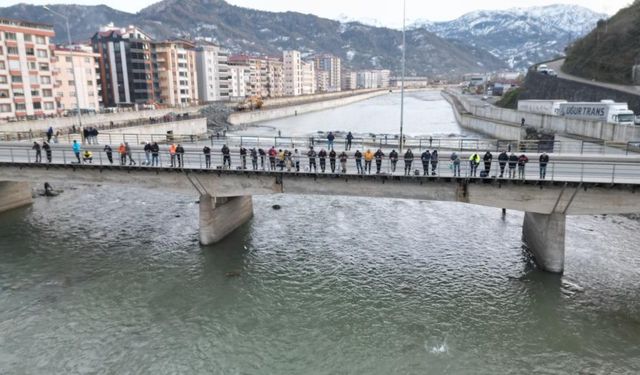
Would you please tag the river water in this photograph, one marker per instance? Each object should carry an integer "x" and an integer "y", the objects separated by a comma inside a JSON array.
[{"x": 105, "y": 280}]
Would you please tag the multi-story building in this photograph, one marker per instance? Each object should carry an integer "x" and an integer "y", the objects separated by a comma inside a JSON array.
[
  {"x": 71, "y": 65},
  {"x": 292, "y": 73},
  {"x": 322, "y": 81},
  {"x": 177, "y": 73},
  {"x": 308, "y": 78},
  {"x": 349, "y": 81},
  {"x": 333, "y": 66},
  {"x": 381, "y": 78},
  {"x": 365, "y": 79},
  {"x": 126, "y": 75},
  {"x": 258, "y": 73},
  {"x": 239, "y": 81},
  {"x": 26, "y": 82},
  {"x": 275, "y": 77},
  {"x": 213, "y": 72}
]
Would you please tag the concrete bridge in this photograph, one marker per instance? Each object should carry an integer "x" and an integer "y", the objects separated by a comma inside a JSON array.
[{"x": 225, "y": 195}]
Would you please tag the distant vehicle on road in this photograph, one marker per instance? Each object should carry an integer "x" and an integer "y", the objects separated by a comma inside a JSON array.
[{"x": 605, "y": 111}]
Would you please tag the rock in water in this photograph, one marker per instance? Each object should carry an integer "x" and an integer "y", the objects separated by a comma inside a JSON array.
[{"x": 276, "y": 207}]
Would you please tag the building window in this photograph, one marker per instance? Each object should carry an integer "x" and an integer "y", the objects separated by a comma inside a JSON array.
[
  {"x": 3, "y": 79},
  {"x": 48, "y": 106},
  {"x": 14, "y": 65},
  {"x": 5, "y": 108},
  {"x": 1, "y": 51},
  {"x": 10, "y": 36},
  {"x": 42, "y": 53},
  {"x": 18, "y": 92},
  {"x": 71, "y": 83},
  {"x": 41, "y": 40},
  {"x": 33, "y": 79},
  {"x": 44, "y": 67},
  {"x": 32, "y": 66},
  {"x": 69, "y": 70},
  {"x": 67, "y": 59},
  {"x": 87, "y": 60},
  {"x": 27, "y": 38},
  {"x": 47, "y": 93},
  {"x": 35, "y": 92},
  {"x": 12, "y": 50},
  {"x": 4, "y": 94},
  {"x": 37, "y": 105},
  {"x": 90, "y": 83},
  {"x": 21, "y": 107},
  {"x": 2, "y": 66},
  {"x": 16, "y": 79},
  {"x": 45, "y": 80},
  {"x": 30, "y": 51}
]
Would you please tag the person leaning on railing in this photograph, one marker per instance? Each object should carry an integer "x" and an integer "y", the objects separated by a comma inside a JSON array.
[{"x": 544, "y": 160}]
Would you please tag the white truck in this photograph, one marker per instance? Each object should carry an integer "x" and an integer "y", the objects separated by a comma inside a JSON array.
[
  {"x": 604, "y": 111},
  {"x": 543, "y": 107}
]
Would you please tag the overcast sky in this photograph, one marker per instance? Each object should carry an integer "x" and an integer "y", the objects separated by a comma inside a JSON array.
[{"x": 388, "y": 13}]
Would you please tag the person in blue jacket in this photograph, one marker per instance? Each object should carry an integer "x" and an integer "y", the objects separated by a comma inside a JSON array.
[{"x": 76, "y": 150}]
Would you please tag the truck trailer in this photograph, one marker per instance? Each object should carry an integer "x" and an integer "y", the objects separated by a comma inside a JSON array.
[
  {"x": 543, "y": 107},
  {"x": 603, "y": 111}
]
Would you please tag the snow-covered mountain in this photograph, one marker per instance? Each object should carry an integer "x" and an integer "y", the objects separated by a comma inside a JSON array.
[{"x": 519, "y": 36}]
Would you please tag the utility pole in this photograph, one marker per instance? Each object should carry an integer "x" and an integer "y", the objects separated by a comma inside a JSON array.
[
  {"x": 73, "y": 64},
  {"x": 404, "y": 61}
]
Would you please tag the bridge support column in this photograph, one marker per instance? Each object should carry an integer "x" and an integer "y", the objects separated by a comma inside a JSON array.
[
  {"x": 221, "y": 216},
  {"x": 544, "y": 236},
  {"x": 14, "y": 195}
]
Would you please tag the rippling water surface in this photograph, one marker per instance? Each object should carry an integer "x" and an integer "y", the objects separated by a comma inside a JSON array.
[{"x": 112, "y": 280}]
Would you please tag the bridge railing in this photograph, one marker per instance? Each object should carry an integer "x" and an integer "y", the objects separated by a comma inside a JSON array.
[
  {"x": 385, "y": 142},
  {"x": 587, "y": 171}
]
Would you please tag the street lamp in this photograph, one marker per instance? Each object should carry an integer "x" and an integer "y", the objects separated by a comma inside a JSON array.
[
  {"x": 73, "y": 65},
  {"x": 404, "y": 48}
]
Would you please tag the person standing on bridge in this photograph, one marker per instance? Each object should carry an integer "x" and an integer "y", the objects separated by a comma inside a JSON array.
[
  {"x": 155, "y": 153},
  {"x": 107, "y": 150},
  {"x": 47, "y": 150},
  {"x": 343, "y": 162},
  {"x": 312, "y": 159},
  {"x": 262, "y": 154},
  {"x": 455, "y": 164},
  {"x": 426, "y": 160},
  {"x": 36, "y": 146},
  {"x": 434, "y": 162},
  {"x": 332, "y": 160},
  {"x": 272, "y": 158},
  {"x": 296, "y": 159},
  {"x": 368, "y": 157},
  {"x": 254, "y": 159},
  {"x": 513, "y": 161},
  {"x": 76, "y": 150},
  {"x": 544, "y": 160},
  {"x": 243, "y": 157},
  {"x": 147, "y": 153},
  {"x": 522, "y": 162},
  {"x": 408, "y": 160},
  {"x": 180, "y": 154},
  {"x": 206, "y": 150},
  {"x": 322, "y": 155},
  {"x": 123, "y": 154},
  {"x": 503, "y": 158},
  {"x": 129, "y": 154},
  {"x": 349, "y": 140},
  {"x": 488, "y": 159},
  {"x": 474, "y": 162},
  {"x": 358, "y": 157},
  {"x": 281, "y": 159},
  {"x": 49, "y": 134},
  {"x": 226, "y": 157},
  {"x": 379, "y": 155},
  {"x": 393, "y": 158},
  {"x": 330, "y": 139},
  {"x": 172, "y": 155}
]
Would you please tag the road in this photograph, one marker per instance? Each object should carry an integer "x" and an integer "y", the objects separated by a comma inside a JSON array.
[{"x": 557, "y": 66}]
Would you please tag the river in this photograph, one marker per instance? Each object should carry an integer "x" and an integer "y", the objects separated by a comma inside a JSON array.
[{"x": 105, "y": 280}]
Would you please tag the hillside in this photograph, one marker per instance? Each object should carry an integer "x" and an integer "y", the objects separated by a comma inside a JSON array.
[
  {"x": 244, "y": 30},
  {"x": 519, "y": 36},
  {"x": 610, "y": 51}
]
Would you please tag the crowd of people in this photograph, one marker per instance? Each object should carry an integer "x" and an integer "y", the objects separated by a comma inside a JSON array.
[{"x": 324, "y": 160}]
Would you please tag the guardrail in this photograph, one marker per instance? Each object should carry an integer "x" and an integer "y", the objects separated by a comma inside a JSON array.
[
  {"x": 565, "y": 171},
  {"x": 387, "y": 142}
]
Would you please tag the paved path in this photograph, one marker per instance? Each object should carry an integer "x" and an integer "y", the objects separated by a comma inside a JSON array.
[{"x": 557, "y": 66}]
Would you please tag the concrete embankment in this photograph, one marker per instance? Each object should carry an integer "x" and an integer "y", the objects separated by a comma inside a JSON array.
[
  {"x": 505, "y": 123},
  {"x": 298, "y": 109}
]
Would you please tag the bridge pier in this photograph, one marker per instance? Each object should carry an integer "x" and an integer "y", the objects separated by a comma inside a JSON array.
[
  {"x": 221, "y": 216},
  {"x": 14, "y": 195},
  {"x": 544, "y": 236}
]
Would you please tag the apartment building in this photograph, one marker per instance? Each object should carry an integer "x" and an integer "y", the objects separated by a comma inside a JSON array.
[
  {"x": 26, "y": 82},
  {"x": 308, "y": 78},
  {"x": 292, "y": 63},
  {"x": 126, "y": 74},
  {"x": 332, "y": 65},
  {"x": 275, "y": 77},
  {"x": 239, "y": 81},
  {"x": 213, "y": 73},
  {"x": 382, "y": 78},
  {"x": 322, "y": 81},
  {"x": 258, "y": 73},
  {"x": 349, "y": 81},
  {"x": 71, "y": 64},
  {"x": 176, "y": 72}
]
